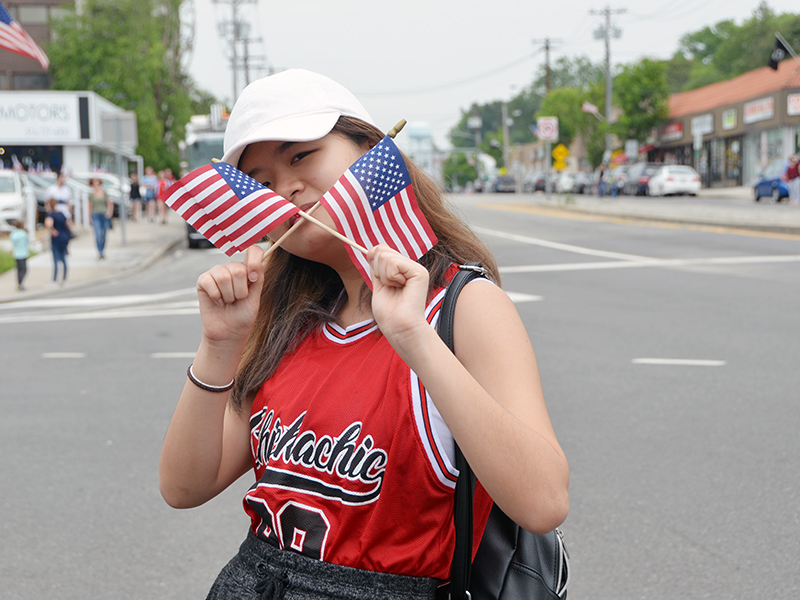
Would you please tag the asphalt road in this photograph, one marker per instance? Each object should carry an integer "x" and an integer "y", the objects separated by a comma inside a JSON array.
[{"x": 669, "y": 361}]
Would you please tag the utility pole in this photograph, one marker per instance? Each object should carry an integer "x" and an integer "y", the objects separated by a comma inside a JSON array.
[
  {"x": 236, "y": 33},
  {"x": 604, "y": 32},
  {"x": 546, "y": 45}
]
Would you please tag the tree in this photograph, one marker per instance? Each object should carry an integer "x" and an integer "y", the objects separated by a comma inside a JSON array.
[
  {"x": 578, "y": 72},
  {"x": 128, "y": 51},
  {"x": 642, "y": 94},
  {"x": 725, "y": 50},
  {"x": 565, "y": 103}
]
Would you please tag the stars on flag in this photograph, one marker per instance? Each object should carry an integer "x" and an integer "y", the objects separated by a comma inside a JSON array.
[{"x": 381, "y": 174}]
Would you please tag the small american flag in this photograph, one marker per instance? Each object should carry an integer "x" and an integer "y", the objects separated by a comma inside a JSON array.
[
  {"x": 16, "y": 39},
  {"x": 230, "y": 209},
  {"x": 374, "y": 203}
]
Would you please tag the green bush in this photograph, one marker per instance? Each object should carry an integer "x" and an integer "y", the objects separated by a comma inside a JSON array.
[{"x": 7, "y": 262}]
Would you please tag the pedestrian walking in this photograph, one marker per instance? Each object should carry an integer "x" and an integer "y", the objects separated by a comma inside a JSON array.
[
  {"x": 601, "y": 180},
  {"x": 135, "y": 197},
  {"x": 58, "y": 224},
  {"x": 20, "y": 250},
  {"x": 150, "y": 184},
  {"x": 344, "y": 400},
  {"x": 163, "y": 184},
  {"x": 102, "y": 212},
  {"x": 61, "y": 193},
  {"x": 793, "y": 179}
]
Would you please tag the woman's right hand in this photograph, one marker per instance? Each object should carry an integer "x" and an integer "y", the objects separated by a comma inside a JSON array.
[{"x": 229, "y": 297}]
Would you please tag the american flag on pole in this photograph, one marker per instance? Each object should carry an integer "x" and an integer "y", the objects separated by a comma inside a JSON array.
[
  {"x": 373, "y": 203},
  {"x": 15, "y": 38},
  {"x": 230, "y": 209}
]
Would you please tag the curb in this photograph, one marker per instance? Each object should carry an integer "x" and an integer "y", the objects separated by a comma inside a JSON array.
[{"x": 148, "y": 261}]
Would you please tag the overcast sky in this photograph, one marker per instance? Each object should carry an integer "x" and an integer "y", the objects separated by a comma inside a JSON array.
[{"x": 428, "y": 60}]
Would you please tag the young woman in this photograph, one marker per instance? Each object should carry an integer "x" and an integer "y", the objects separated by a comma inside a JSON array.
[
  {"x": 346, "y": 403},
  {"x": 102, "y": 212},
  {"x": 58, "y": 224}
]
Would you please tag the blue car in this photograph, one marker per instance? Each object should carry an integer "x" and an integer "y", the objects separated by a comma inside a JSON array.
[{"x": 770, "y": 183}]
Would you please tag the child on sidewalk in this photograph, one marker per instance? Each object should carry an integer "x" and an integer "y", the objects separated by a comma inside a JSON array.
[{"x": 21, "y": 252}]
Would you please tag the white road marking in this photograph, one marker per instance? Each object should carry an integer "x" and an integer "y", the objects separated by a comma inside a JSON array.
[
  {"x": 63, "y": 355},
  {"x": 654, "y": 262},
  {"x": 683, "y": 362},
  {"x": 517, "y": 297},
  {"x": 162, "y": 310},
  {"x": 173, "y": 355},
  {"x": 560, "y": 246},
  {"x": 89, "y": 301}
]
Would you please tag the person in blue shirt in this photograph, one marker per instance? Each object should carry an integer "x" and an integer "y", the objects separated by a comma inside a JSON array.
[{"x": 20, "y": 252}]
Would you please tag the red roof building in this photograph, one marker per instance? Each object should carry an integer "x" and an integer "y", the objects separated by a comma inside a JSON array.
[{"x": 730, "y": 130}]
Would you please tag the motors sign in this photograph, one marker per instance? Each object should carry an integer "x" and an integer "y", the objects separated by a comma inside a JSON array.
[
  {"x": 32, "y": 119},
  {"x": 548, "y": 128}
]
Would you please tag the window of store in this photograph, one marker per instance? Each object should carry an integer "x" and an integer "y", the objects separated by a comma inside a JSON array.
[
  {"x": 32, "y": 14},
  {"x": 31, "y": 81},
  {"x": 733, "y": 160},
  {"x": 759, "y": 150},
  {"x": 716, "y": 166}
]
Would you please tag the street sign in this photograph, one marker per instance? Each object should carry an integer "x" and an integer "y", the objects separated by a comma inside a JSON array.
[
  {"x": 548, "y": 128},
  {"x": 560, "y": 153}
]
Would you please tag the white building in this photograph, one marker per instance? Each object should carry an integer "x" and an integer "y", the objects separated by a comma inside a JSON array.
[{"x": 75, "y": 131}]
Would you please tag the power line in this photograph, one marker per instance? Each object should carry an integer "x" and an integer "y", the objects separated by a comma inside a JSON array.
[{"x": 452, "y": 84}]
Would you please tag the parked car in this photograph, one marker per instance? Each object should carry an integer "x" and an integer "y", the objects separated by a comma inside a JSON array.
[
  {"x": 770, "y": 182},
  {"x": 617, "y": 177},
  {"x": 504, "y": 183},
  {"x": 195, "y": 239},
  {"x": 15, "y": 192},
  {"x": 582, "y": 183},
  {"x": 40, "y": 182},
  {"x": 533, "y": 183},
  {"x": 566, "y": 182},
  {"x": 638, "y": 176},
  {"x": 673, "y": 180}
]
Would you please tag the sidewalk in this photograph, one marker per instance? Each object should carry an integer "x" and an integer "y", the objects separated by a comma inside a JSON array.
[
  {"x": 722, "y": 207},
  {"x": 145, "y": 243}
]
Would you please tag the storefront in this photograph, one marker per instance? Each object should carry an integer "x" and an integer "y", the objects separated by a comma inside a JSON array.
[
  {"x": 76, "y": 131},
  {"x": 730, "y": 131}
]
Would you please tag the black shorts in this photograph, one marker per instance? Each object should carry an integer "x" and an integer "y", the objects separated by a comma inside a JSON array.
[{"x": 261, "y": 570}]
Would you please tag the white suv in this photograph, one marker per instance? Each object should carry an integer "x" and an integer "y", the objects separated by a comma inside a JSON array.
[{"x": 15, "y": 192}]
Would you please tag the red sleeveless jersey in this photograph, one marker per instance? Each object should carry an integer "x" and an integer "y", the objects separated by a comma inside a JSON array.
[{"x": 354, "y": 464}]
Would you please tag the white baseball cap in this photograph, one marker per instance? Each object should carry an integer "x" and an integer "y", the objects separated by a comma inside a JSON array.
[{"x": 291, "y": 106}]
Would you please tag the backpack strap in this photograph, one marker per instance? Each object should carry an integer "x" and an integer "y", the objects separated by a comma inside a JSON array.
[{"x": 465, "y": 486}]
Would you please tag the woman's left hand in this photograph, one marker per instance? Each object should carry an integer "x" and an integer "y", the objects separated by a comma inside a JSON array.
[{"x": 399, "y": 294}]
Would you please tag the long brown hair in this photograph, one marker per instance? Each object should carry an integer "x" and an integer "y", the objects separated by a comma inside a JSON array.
[{"x": 299, "y": 294}]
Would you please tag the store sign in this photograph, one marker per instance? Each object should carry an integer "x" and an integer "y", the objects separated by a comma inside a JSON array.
[
  {"x": 729, "y": 119},
  {"x": 759, "y": 110},
  {"x": 793, "y": 104},
  {"x": 672, "y": 131},
  {"x": 703, "y": 124},
  {"x": 32, "y": 119}
]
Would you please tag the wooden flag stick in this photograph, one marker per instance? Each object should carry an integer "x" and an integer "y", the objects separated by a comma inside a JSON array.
[
  {"x": 334, "y": 233},
  {"x": 307, "y": 215},
  {"x": 291, "y": 230}
]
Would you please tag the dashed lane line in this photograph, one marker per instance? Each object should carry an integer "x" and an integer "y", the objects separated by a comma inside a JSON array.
[
  {"x": 63, "y": 355},
  {"x": 679, "y": 362}
]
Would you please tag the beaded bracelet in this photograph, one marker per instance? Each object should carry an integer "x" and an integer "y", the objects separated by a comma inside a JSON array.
[{"x": 205, "y": 386}]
